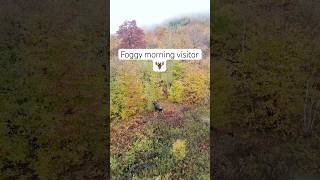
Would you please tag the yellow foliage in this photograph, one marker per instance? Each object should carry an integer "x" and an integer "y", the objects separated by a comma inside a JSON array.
[
  {"x": 179, "y": 149},
  {"x": 196, "y": 84},
  {"x": 192, "y": 89},
  {"x": 175, "y": 92},
  {"x": 127, "y": 96}
]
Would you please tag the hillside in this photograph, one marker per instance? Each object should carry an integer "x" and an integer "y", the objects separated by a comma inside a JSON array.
[{"x": 175, "y": 143}]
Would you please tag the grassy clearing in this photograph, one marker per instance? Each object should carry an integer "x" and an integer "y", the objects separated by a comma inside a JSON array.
[{"x": 164, "y": 150}]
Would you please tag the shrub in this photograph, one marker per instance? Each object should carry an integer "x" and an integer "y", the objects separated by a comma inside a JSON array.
[
  {"x": 192, "y": 89},
  {"x": 129, "y": 164},
  {"x": 196, "y": 84},
  {"x": 150, "y": 83},
  {"x": 127, "y": 97},
  {"x": 113, "y": 163},
  {"x": 175, "y": 92},
  {"x": 176, "y": 69},
  {"x": 179, "y": 149}
]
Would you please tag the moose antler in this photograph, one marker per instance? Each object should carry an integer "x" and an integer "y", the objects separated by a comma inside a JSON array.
[{"x": 159, "y": 64}]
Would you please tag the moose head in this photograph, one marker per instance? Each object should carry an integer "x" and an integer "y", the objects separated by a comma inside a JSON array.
[{"x": 159, "y": 64}]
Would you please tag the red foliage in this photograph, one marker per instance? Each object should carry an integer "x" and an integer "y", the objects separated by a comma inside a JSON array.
[
  {"x": 132, "y": 37},
  {"x": 122, "y": 134}
]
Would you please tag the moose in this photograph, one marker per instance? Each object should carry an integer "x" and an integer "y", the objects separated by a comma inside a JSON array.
[
  {"x": 157, "y": 107},
  {"x": 159, "y": 64}
]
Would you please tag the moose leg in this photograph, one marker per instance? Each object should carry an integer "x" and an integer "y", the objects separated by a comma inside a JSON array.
[{"x": 162, "y": 114}]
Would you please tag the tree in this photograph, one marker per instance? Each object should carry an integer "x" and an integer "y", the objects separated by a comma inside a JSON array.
[
  {"x": 131, "y": 36},
  {"x": 127, "y": 97}
]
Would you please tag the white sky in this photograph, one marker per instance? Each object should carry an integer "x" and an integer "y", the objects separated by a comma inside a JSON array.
[{"x": 150, "y": 12}]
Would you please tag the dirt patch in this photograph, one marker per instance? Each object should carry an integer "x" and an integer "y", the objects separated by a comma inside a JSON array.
[{"x": 172, "y": 115}]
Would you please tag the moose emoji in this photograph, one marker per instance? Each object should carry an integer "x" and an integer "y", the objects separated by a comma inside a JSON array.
[{"x": 159, "y": 64}]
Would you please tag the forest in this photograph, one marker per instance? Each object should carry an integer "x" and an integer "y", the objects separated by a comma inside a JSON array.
[
  {"x": 52, "y": 89},
  {"x": 265, "y": 99},
  {"x": 174, "y": 144}
]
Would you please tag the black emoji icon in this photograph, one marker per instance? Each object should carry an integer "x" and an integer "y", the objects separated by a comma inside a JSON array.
[{"x": 159, "y": 64}]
